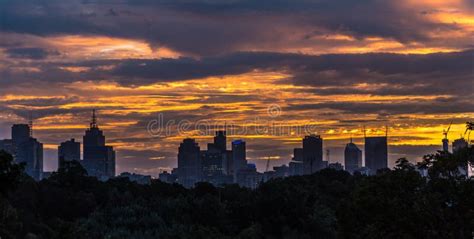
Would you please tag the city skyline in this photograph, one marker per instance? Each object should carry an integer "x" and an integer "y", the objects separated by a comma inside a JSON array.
[
  {"x": 99, "y": 159},
  {"x": 336, "y": 65}
]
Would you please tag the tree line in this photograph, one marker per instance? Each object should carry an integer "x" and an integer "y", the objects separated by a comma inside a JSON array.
[{"x": 397, "y": 203}]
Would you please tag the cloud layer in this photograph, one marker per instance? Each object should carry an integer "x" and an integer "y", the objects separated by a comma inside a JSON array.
[{"x": 334, "y": 65}]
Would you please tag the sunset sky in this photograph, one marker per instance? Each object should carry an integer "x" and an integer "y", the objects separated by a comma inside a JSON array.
[{"x": 336, "y": 66}]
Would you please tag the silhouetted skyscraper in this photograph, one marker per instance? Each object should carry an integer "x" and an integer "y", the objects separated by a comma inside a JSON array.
[
  {"x": 239, "y": 157},
  {"x": 213, "y": 166},
  {"x": 298, "y": 154},
  {"x": 376, "y": 153},
  {"x": 189, "y": 163},
  {"x": 20, "y": 133},
  {"x": 352, "y": 157},
  {"x": 69, "y": 151},
  {"x": 30, "y": 152},
  {"x": 99, "y": 159},
  {"x": 220, "y": 140},
  {"x": 27, "y": 150},
  {"x": 312, "y": 153},
  {"x": 217, "y": 161}
]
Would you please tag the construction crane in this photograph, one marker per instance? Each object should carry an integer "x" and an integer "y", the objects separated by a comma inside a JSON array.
[
  {"x": 469, "y": 128},
  {"x": 445, "y": 139}
]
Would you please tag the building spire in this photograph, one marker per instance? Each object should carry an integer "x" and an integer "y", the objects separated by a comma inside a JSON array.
[
  {"x": 94, "y": 120},
  {"x": 30, "y": 123}
]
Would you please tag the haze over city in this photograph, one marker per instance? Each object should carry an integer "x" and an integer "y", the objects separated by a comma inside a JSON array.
[{"x": 336, "y": 66}]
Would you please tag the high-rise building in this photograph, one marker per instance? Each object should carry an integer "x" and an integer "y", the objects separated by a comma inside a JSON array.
[
  {"x": 312, "y": 154},
  {"x": 30, "y": 152},
  {"x": 68, "y": 151},
  {"x": 217, "y": 163},
  {"x": 26, "y": 149},
  {"x": 220, "y": 140},
  {"x": 189, "y": 163},
  {"x": 20, "y": 133},
  {"x": 459, "y": 144},
  {"x": 376, "y": 153},
  {"x": 214, "y": 165},
  {"x": 239, "y": 157},
  {"x": 352, "y": 157},
  {"x": 99, "y": 159},
  {"x": 298, "y": 154}
]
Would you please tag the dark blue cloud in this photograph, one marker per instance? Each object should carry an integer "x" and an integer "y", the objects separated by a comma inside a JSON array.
[
  {"x": 29, "y": 53},
  {"x": 206, "y": 27}
]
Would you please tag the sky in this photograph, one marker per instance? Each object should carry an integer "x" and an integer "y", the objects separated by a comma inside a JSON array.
[{"x": 270, "y": 71}]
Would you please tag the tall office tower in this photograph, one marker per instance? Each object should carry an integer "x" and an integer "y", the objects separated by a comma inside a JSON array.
[
  {"x": 20, "y": 133},
  {"x": 376, "y": 155},
  {"x": 352, "y": 157},
  {"x": 68, "y": 151},
  {"x": 220, "y": 140},
  {"x": 30, "y": 152},
  {"x": 298, "y": 154},
  {"x": 99, "y": 159},
  {"x": 213, "y": 166},
  {"x": 459, "y": 144},
  {"x": 189, "y": 163},
  {"x": 239, "y": 157},
  {"x": 312, "y": 154},
  {"x": 27, "y": 150}
]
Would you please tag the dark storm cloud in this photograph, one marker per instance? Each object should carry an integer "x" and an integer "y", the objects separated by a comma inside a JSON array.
[
  {"x": 55, "y": 101},
  {"x": 345, "y": 65},
  {"x": 385, "y": 74},
  {"x": 216, "y": 27},
  {"x": 393, "y": 108},
  {"x": 392, "y": 74},
  {"x": 29, "y": 53}
]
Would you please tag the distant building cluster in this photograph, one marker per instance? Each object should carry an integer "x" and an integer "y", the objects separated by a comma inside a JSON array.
[
  {"x": 99, "y": 159},
  {"x": 218, "y": 165}
]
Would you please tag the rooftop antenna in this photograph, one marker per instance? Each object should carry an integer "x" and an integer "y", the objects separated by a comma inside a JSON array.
[
  {"x": 365, "y": 134},
  {"x": 328, "y": 152},
  {"x": 30, "y": 123},
  {"x": 94, "y": 119},
  {"x": 386, "y": 131},
  {"x": 351, "y": 138},
  {"x": 267, "y": 167}
]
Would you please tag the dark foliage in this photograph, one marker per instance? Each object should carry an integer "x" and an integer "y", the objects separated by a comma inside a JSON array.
[{"x": 395, "y": 203}]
